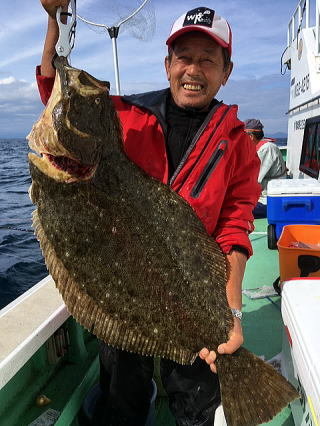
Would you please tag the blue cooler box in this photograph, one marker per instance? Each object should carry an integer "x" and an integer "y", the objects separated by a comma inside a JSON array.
[{"x": 291, "y": 202}]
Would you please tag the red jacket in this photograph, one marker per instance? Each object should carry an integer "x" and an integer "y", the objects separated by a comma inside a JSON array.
[{"x": 218, "y": 176}]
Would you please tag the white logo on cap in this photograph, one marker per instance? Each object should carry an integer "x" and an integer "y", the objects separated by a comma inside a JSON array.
[{"x": 200, "y": 18}]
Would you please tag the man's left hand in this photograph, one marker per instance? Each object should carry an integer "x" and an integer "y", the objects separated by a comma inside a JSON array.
[{"x": 234, "y": 343}]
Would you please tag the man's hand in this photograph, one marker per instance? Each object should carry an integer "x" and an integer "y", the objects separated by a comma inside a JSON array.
[
  {"x": 237, "y": 262},
  {"x": 51, "y": 6},
  {"x": 52, "y": 35},
  {"x": 234, "y": 343}
]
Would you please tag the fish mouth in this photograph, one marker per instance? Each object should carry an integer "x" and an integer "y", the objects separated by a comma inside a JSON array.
[
  {"x": 62, "y": 168},
  {"x": 49, "y": 154}
]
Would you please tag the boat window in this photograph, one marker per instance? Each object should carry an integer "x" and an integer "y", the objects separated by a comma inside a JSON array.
[{"x": 310, "y": 153}]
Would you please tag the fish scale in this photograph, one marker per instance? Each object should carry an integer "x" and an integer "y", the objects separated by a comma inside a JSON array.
[{"x": 130, "y": 257}]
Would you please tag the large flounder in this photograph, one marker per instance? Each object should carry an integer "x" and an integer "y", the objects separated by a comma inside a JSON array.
[{"x": 131, "y": 259}]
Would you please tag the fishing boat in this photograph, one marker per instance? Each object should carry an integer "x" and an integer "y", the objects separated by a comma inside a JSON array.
[
  {"x": 49, "y": 367},
  {"x": 302, "y": 59}
]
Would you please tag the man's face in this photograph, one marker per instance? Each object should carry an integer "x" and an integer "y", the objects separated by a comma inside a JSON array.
[{"x": 196, "y": 70}]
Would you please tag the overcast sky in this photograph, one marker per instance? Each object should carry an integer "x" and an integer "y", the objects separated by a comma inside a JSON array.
[{"x": 259, "y": 37}]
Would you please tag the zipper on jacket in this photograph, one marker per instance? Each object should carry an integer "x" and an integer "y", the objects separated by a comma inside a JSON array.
[
  {"x": 195, "y": 139},
  {"x": 209, "y": 168}
]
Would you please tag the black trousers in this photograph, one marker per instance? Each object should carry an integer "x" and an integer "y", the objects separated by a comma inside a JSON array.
[
  {"x": 125, "y": 381},
  {"x": 260, "y": 211}
]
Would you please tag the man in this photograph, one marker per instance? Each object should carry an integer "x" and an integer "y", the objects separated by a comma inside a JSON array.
[
  {"x": 272, "y": 163},
  {"x": 187, "y": 139}
]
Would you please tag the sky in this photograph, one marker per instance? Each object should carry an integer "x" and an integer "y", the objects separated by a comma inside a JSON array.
[{"x": 259, "y": 30}]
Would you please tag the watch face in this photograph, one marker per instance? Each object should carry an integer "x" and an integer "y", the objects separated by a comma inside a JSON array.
[{"x": 236, "y": 313}]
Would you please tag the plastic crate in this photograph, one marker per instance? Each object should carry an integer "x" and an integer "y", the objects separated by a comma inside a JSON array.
[{"x": 294, "y": 259}]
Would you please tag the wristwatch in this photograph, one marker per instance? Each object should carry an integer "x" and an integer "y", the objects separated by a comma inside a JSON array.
[{"x": 236, "y": 313}]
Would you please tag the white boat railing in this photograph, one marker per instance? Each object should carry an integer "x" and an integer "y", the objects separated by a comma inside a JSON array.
[
  {"x": 26, "y": 324},
  {"x": 301, "y": 19},
  {"x": 317, "y": 27}
]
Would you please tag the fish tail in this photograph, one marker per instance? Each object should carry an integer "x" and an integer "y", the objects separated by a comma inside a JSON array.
[{"x": 252, "y": 391}]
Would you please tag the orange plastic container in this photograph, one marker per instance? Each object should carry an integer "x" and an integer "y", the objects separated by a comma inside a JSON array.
[{"x": 299, "y": 261}]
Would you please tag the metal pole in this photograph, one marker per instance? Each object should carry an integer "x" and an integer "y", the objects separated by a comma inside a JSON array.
[
  {"x": 116, "y": 64},
  {"x": 293, "y": 27},
  {"x": 317, "y": 26},
  {"x": 113, "y": 33}
]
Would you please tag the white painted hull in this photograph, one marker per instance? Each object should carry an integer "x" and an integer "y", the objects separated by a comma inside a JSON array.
[{"x": 303, "y": 59}]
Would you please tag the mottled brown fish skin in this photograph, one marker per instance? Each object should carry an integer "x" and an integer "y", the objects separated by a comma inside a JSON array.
[
  {"x": 130, "y": 257},
  {"x": 133, "y": 273}
]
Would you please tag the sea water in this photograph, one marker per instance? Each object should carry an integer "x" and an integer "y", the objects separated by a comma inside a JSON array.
[{"x": 21, "y": 261}]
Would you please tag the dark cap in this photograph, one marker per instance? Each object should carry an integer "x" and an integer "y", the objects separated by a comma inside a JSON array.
[{"x": 253, "y": 125}]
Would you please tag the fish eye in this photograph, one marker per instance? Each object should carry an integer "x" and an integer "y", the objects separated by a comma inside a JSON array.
[{"x": 97, "y": 101}]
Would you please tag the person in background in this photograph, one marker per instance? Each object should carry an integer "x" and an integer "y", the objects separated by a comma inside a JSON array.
[
  {"x": 186, "y": 138},
  {"x": 272, "y": 163}
]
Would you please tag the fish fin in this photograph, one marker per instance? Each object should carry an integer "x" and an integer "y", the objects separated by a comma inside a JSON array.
[{"x": 252, "y": 391}]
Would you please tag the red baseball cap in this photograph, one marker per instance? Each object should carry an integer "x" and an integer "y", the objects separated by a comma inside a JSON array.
[{"x": 205, "y": 20}]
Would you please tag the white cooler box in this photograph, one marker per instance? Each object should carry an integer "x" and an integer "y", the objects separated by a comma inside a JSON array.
[{"x": 301, "y": 346}]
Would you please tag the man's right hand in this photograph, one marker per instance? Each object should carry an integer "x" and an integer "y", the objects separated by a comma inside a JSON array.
[
  {"x": 52, "y": 35},
  {"x": 51, "y": 6}
]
